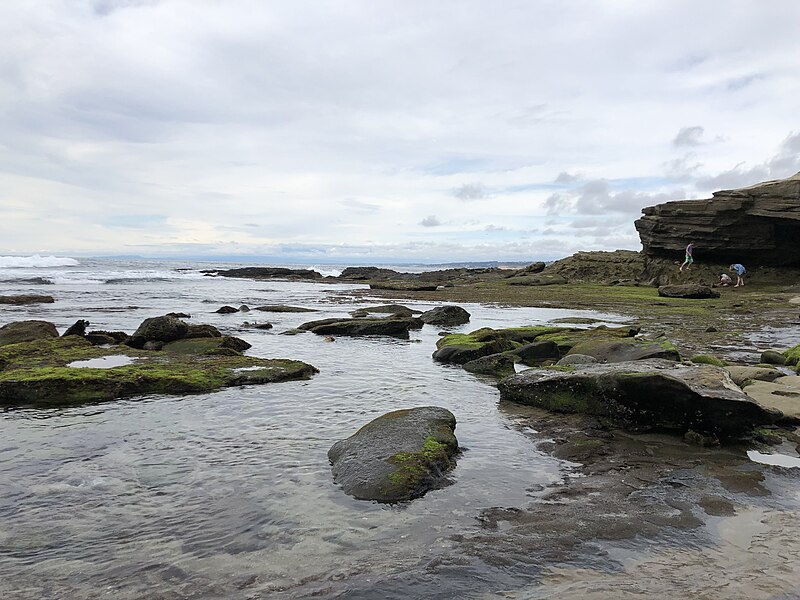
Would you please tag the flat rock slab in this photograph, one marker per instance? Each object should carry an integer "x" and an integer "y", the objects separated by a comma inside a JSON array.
[
  {"x": 398, "y": 456},
  {"x": 390, "y": 326},
  {"x": 687, "y": 290},
  {"x": 644, "y": 395},
  {"x": 391, "y": 309},
  {"x": 27, "y": 299},
  {"x": 782, "y": 394},
  {"x": 403, "y": 286},
  {"x": 280, "y": 308}
]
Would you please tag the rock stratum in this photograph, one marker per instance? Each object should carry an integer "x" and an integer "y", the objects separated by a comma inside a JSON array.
[{"x": 759, "y": 224}]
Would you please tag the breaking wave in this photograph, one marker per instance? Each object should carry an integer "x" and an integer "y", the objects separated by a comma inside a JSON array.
[{"x": 36, "y": 261}]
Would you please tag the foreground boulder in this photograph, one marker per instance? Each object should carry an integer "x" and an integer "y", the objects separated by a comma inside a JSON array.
[
  {"x": 26, "y": 331},
  {"x": 38, "y": 373},
  {"x": 644, "y": 395},
  {"x": 687, "y": 290},
  {"x": 398, "y": 456},
  {"x": 391, "y": 326},
  {"x": 446, "y": 316}
]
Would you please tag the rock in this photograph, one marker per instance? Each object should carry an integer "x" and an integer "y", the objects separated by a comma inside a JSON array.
[
  {"x": 761, "y": 222},
  {"x": 202, "y": 331},
  {"x": 536, "y": 353},
  {"x": 178, "y": 315},
  {"x": 393, "y": 309},
  {"x": 600, "y": 266},
  {"x": 153, "y": 346},
  {"x": 625, "y": 350},
  {"x": 460, "y": 349},
  {"x": 773, "y": 357},
  {"x": 577, "y": 359},
  {"x": 497, "y": 365},
  {"x": 99, "y": 338},
  {"x": 292, "y": 332},
  {"x": 445, "y": 315},
  {"x": 226, "y": 310},
  {"x": 687, "y": 290},
  {"x": 36, "y": 373},
  {"x": 644, "y": 395},
  {"x": 267, "y": 273},
  {"x": 365, "y": 273},
  {"x": 244, "y": 308},
  {"x": 77, "y": 328},
  {"x": 403, "y": 286},
  {"x": 707, "y": 359},
  {"x": 782, "y": 394},
  {"x": 26, "y": 331},
  {"x": 157, "y": 329},
  {"x": 541, "y": 279},
  {"x": 280, "y": 308},
  {"x": 392, "y": 326},
  {"x": 226, "y": 346},
  {"x": 258, "y": 325},
  {"x": 740, "y": 375},
  {"x": 711, "y": 329},
  {"x": 398, "y": 456},
  {"x": 27, "y": 299},
  {"x": 536, "y": 267}
]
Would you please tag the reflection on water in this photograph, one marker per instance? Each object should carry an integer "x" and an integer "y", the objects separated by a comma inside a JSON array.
[
  {"x": 103, "y": 362},
  {"x": 778, "y": 460}
]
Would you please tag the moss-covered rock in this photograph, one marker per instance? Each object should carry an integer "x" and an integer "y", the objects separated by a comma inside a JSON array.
[
  {"x": 390, "y": 326},
  {"x": 793, "y": 357},
  {"x": 707, "y": 359},
  {"x": 38, "y": 373},
  {"x": 26, "y": 331},
  {"x": 496, "y": 365},
  {"x": 398, "y": 456}
]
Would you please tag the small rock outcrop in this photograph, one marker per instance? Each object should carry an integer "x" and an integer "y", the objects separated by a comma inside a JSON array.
[
  {"x": 687, "y": 290},
  {"x": 266, "y": 273},
  {"x": 445, "y": 316},
  {"x": 398, "y": 456},
  {"x": 281, "y": 308},
  {"x": 26, "y": 331},
  {"x": 157, "y": 329},
  {"x": 392, "y": 309},
  {"x": 226, "y": 310},
  {"x": 644, "y": 395},
  {"x": 77, "y": 328},
  {"x": 760, "y": 222}
]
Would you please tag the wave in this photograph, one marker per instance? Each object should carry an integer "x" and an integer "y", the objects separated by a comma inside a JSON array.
[{"x": 36, "y": 261}]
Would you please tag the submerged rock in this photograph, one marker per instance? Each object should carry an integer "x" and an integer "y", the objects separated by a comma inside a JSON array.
[
  {"x": 281, "y": 308},
  {"x": 226, "y": 310},
  {"x": 445, "y": 315},
  {"x": 391, "y": 326},
  {"x": 644, "y": 395},
  {"x": 26, "y": 331},
  {"x": 398, "y": 456}
]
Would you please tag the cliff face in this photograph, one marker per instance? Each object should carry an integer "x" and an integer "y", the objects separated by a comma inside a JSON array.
[{"x": 757, "y": 225}]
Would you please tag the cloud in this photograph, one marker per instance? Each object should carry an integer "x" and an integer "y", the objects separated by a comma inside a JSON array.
[
  {"x": 565, "y": 177},
  {"x": 360, "y": 205},
  {"x": 689, "y": 136},
  {"x": 430, "y": 221},
  {"x": 492, "y": 227},
  {"x": 470, "y": 191}
]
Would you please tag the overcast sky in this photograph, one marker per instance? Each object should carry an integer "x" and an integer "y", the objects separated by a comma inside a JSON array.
[{"x": 374, "y": 130}]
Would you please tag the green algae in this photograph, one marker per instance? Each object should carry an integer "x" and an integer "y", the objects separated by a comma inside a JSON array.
[
  {"x": 37, "y": 373},
  {"x": 415, "y": 467},
  {"x": 707, "y": 359}
]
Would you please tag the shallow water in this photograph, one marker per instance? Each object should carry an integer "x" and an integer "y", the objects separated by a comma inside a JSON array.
[{"x": 229, "y": 495}]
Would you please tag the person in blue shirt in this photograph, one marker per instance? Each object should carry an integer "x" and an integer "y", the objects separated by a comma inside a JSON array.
[{"x": 740, "y": 271}]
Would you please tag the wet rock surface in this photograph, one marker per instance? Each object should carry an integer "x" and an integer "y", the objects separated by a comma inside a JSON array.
[
  {"x": 26, "y": 331},
  {"x": 391, "y": 326},
  {"x": 445, "y": 315},
  {"x": 398, "y": 456}
]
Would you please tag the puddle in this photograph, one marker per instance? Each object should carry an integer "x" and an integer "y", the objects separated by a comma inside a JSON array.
[
  {"x": 778, "y": 460},
  {"x": 105, "y": 362}
]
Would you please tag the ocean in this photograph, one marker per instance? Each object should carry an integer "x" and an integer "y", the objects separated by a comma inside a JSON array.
[{"x": 230, "y": 494}]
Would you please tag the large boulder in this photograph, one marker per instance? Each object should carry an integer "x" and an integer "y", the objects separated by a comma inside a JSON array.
[
  {"x": 445, "y": 315},
  {"x": 391, "y": 326},
  {"x": 644, "y": 395},
  {"x": 741, "y": 375},
  {"x": 398, "y": 456},
  {"x": 611, "y": 351},
  {"x": 761, "y": 222},
  {"x": 26, "y": 331},
  {"x": 158, "y": 329},
  {"x": 365, "y": 273},
  {"x": 496, "y": 365},
  {"x": 687, "y": 290}
]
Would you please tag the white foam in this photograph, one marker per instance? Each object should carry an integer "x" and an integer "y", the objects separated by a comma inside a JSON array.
[{"x": 36, "y": 261}]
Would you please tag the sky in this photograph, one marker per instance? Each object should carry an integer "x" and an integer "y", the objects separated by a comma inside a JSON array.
[{"x": 382, "y": 131}]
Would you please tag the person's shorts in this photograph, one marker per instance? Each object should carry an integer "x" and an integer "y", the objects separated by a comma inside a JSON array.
[{"x": 689, "y": 259}]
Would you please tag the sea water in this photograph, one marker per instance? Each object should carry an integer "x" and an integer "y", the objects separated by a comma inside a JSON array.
[{"x": 230, "y": 494}]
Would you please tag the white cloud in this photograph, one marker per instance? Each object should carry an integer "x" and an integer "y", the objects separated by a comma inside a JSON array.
[{"x": 166, "y": 124}]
